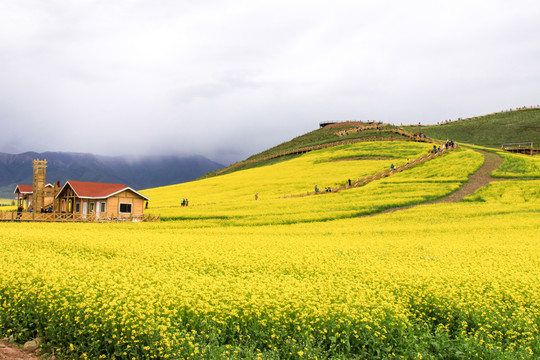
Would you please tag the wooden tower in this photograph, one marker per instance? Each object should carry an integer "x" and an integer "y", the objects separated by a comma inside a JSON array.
[{"x": 39, "y": 184}]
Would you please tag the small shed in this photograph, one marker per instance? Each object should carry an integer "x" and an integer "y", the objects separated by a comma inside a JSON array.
[
  {"x": 100, "y": 199},
  {"x": 25, "y": 195}
]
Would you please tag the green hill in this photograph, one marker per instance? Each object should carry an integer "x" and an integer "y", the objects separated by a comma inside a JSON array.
[
  {"x": 327, "y": 136},
  {"x": 489, "y": 130},
  {"x": 393, "y": 268}
]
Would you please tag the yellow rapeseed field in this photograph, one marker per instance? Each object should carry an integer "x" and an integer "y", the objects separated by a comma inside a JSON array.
[
  {"x": 518, "y": 166},
  {"x": 306, "y": 277}
]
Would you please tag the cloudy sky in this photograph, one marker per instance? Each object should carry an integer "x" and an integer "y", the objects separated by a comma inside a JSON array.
[{"x": 226, "y": 79}]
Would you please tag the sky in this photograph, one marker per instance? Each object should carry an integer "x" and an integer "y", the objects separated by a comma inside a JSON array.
[{"x": 227, "y": 79}]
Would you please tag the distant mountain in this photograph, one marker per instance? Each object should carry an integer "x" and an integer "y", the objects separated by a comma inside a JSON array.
[{"x": 140, "y": 172}]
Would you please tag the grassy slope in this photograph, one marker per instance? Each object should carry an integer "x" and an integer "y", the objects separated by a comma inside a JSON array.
[
  {"x": 229, "y": 198},
  {"x": 290, "y": 278},
  {"x": 316, "y": 137},
  {"x": 313, "y": 138},
  {"x": 490, "y": 130}
]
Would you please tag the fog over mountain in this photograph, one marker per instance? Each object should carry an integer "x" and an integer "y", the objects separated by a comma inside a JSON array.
[{"x": 137, "y": 172}]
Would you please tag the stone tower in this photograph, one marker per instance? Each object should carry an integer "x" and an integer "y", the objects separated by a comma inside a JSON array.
[{"x": 38, "y": 195}]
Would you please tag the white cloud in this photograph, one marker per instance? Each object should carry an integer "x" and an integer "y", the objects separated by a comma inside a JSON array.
[{"x": 226, "y": 79}]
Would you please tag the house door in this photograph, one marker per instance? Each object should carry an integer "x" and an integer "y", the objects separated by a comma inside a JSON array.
[{"x": 84, "y": 208}]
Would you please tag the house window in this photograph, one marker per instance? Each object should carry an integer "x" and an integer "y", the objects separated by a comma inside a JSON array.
[
  {"x": 92, "y": 207},
  {"x": 78, "y": 207},
  {"x": 125, "y": 208},
  {"x": 103, "y": 208}
]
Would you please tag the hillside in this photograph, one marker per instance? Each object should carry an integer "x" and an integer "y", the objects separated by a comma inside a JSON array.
[
  {"x": 137, "y": 172},
  {"x": 231, "y": 196},
  {"x": 326, "y": 136},
  {"x": 399, "y": 267},
  {"x": 489, "y": 130}
]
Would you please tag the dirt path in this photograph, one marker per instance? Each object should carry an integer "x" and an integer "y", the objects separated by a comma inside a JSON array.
[
  {"x": 477, "y": 180},
  {"x": 14, "y": 352}
]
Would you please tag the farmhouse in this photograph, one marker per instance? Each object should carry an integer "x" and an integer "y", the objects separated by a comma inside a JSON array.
[
  {"x": 100, "y": 200},
  {"x": 76, "y": 201}
]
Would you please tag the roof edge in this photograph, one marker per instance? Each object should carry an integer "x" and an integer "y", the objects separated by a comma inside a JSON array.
[{"x": 101, "y": 197}]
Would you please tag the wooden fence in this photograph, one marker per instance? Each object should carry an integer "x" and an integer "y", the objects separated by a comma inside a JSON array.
[
  {"x": 523, "y": 148},
  {"x": 66, "y": 217},
  {"x": 403, "y": 133}
]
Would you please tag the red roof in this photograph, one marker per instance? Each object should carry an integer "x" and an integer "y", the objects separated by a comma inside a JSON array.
[
  {"x": 24, "y": 189},
  {"x": 27, "y": 189},
  {"x": 84, "y": 189}
]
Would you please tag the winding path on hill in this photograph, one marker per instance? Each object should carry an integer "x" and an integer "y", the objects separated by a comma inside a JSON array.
[{"x": 476, "y": 181}]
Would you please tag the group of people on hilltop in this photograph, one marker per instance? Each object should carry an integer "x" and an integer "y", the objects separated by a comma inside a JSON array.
[
  {"x": 447, "y": 145},
  {"x": 184, "y": 202}
]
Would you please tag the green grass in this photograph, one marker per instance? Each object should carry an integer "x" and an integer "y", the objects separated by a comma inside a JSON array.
[{"x": 490, "y": 130}]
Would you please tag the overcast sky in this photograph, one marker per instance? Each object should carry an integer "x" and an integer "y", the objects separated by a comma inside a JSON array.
[{"x": 226, "y": 79}]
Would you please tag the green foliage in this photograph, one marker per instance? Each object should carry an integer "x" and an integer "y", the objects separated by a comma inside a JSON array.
[{"x": 490, "y": 130}]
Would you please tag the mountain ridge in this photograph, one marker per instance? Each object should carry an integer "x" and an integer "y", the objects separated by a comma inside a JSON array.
[{"x": 138, "y": 172}]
